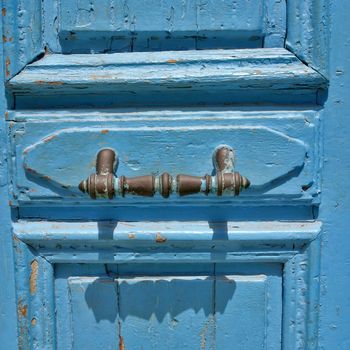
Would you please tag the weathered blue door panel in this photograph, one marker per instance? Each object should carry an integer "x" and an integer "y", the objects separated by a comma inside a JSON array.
[
  {"x": 173, "y": 141},
  {"x": 113, "y": 26},
  {"x": 168, "y": 282},
  {"x": 170, "y": 311},
  {"x": 164, "y": 83}
]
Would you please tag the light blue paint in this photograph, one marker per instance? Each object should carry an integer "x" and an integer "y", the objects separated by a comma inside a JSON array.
[
  {"x": 202, "y": 77},
  {"x": 334, "y": 211},
  {"x": 171, "y": 141},
  {"x": 194, "y": 273},
  {"x": 116, "y": 26},
  {"x": 8, "y": 309}
]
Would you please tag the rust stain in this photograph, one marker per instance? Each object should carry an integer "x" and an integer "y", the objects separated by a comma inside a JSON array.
[
  {"x": 29, "y": 170},
  {"x": 121, "y": 343},
  {"x": 6, "y": 115},
  {"x": 97, "y": 77},
  {"x": 10, "y": 39},
  {"x": 160, "y": 238},
  {"x": 49, "y": 138},
  {"x": 41, "y": 82},
  {"x": 33, "y": 322},
  {"x": 105, "y": 131},
  {"x": 55, "y": 83},
  {"x": 203, "y": 333},
  {"x": 132, "y": 235},
  {"x": 16, "y": 244},
  {"x": 203, "y": 336},
  {"x": 34, "y": 269},
  {"x": 7, "y": 65},
  {"x": 46, "y": 177},
  {"x": 258, "y": 71},
  {"x": 22, "y": 309},
  {"x": 172, "y": 61},
  {"x": 4, "y": 39},
  {"x": 3, "y": 11}
]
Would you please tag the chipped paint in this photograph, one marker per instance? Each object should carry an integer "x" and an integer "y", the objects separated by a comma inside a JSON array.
[
  {"x": 29, "y": 170},
  {"x": 34, "y": 270},
  {"x": 3, "y": 11},
  {"x": 104, "y": 131},
  {"x": 131, "y": 235},
  {"x": 22, "y": 310},
  {"x": 7, "y": 67},
  {"x": 121, "y": 343},
  {"x": 121, "y": 338},
  {"x": 41, "y": 82},
  {"x": 208, "y": 327},
  {"x": 160, "y": 238},
  {"x": 33, "y": 321},
  {"x": 6, "y": 115},
  {"x": 49, "y": 138},
  {"x": 172, "y": 61}
]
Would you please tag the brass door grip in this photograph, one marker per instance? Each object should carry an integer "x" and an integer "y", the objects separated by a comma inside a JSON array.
[{"x": 104, "y": 184}]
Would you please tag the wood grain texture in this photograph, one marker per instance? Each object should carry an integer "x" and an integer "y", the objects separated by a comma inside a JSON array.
[
  {"x": 276, "y": 69},
  {"x": 175, "y": 78}
]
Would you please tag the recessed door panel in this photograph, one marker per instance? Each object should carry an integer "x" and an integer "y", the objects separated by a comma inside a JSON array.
[
  {"x": 111, "y": 26},
  {"x": 171, "y": 311}
]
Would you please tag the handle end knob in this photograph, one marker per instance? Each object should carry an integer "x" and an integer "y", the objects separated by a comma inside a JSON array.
[{"x": 83, "y": 186}]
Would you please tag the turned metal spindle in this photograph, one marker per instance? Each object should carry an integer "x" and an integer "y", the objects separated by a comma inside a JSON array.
[{"x": 104, "y": 184}]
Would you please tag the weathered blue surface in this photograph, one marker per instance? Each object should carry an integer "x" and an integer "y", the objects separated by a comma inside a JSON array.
[
  {"x": 170, "y": 251},
  {"x": 202, "y": 78},
  {"x": 267, "y": 270},
  {"x": 92, "y": 26},
  {"x": 8, "y": 309},
  {"x": 170, "y": 141}
]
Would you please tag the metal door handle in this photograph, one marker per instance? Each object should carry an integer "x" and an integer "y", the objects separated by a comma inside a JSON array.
[{"x": 104, "y": 184}]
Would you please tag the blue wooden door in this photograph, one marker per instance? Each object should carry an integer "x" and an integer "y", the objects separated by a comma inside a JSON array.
[{"x": 213, "y": 139}]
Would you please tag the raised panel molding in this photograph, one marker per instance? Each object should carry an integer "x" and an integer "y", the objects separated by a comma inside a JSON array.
[
  {"x": 202, "y": 77},
  {"x": 284, "y": 169},
  {"x": 41, "y": 245},
  {"x": 308, "y": 44}
]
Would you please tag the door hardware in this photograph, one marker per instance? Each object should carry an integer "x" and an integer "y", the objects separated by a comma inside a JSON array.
[{"x": 105, "y": 184}]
